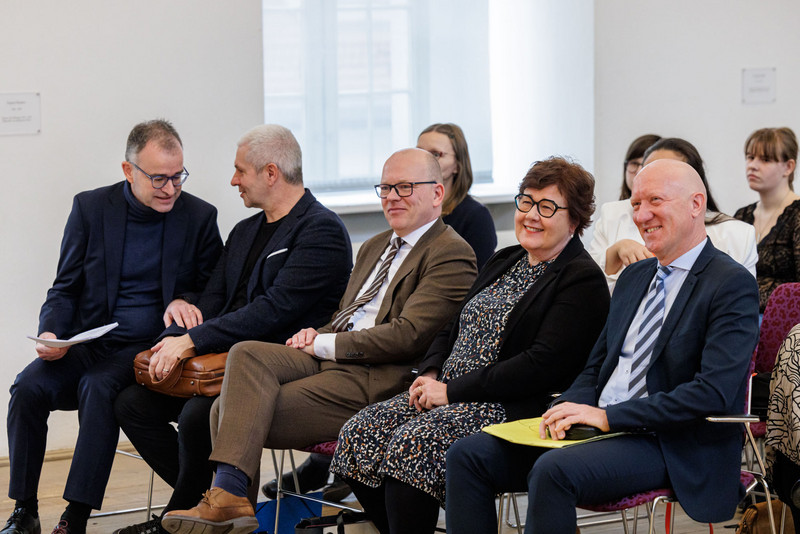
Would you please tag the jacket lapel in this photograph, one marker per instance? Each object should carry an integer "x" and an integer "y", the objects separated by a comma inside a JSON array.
[
  {"x": 676, "y": 311},
  {"x": 409, "y": 265},
  {"x": 618, "y": 330},
  {"x": 277, "y": 239},
  {"x": 115, "y": 213}
]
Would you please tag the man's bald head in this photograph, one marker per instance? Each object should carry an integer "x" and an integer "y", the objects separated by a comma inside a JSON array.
[
  {"x": 424, "y": 204},
  {"x": 669, "y": 205}
]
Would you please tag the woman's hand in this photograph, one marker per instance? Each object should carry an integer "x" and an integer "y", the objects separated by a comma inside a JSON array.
[
  {"x": 427, "y": 393},
  {"x": 623, "y": 253},
  {"x": 562, "y": 416}
]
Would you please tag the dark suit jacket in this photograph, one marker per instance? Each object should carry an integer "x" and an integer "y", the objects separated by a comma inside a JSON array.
[
  {"x": 547, "y": 338},
  {"x": 296, "y": 282},
  {"x": 422, "y": 296},
  {"x": 698, "y": 368},
  {"x": 84, "y": 292}
]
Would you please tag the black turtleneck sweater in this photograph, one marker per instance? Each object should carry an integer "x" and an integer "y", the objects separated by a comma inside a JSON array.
[{"x": 140, "y": 307}]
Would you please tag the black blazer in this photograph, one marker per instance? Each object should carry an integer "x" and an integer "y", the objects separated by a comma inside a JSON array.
[
  {"x": 547, "y": 338},
  {"x": 84, "y": 293},
  {"x": 698, "y": 368},
  {"x": 296, "y": 282}
]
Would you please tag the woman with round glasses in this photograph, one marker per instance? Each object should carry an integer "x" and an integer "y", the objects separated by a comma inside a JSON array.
[
  {"x": 523, "y": 331},
  {"x": 770, "y": 161},
  {"x": 466, "y": 215},
  {"x": 616, "y": 242}
]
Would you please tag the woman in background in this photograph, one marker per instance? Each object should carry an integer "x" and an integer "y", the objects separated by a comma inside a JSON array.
[
  {"x": 770, "y": 160},
  {"x": 466, "y": 215},
  {"x": 616, "y": 242}
]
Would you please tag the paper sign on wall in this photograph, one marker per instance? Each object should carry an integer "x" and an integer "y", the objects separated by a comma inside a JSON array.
[
  {"x": 758, "y": 86},
  {"x": 20, "y": 113}
]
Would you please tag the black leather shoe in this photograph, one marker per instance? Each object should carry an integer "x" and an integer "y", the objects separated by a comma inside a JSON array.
[
  {"x": 21, "y": 522},
  {"x": 310, "y": 475},
  {"x": 336, "y": 491}
]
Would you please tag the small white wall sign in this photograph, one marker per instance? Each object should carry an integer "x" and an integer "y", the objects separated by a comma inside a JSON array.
[
  {"x": 20, "y": 113},
  {"x": 758, "y": 86}
]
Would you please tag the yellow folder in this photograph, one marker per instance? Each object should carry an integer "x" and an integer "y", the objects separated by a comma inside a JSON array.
[{"x": 526, "y": 432}]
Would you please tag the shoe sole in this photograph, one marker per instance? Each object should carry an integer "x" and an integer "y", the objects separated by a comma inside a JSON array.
[{"x": 195, "y": 525}]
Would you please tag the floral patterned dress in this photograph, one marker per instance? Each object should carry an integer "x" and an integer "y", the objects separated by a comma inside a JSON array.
[{"x": 393, "y": 439}]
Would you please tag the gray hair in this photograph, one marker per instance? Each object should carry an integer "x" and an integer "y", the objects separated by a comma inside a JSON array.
[
  {"x": 160, "y": 131},
  {"x": 272, "y": 143}
]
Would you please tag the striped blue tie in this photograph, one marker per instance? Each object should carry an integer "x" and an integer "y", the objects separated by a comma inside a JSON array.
[{"x": 648, "y": 333}]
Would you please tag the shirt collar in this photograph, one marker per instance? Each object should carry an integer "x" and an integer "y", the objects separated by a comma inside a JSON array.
[
  {"x": 686, "y": 261},
  {"x": 415, "y": 235}
]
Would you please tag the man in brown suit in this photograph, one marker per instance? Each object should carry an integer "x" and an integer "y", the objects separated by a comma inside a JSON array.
[{"x": 406, "y": 284}]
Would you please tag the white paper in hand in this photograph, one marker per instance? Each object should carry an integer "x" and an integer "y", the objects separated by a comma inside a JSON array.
[{"x": 89, "y": 335}]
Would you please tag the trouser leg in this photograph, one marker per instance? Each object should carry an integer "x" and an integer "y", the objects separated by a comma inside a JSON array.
[
  {"x": 590, "y": 473},
  {"x": 254, "y": 373},
  {"x": 194, "y": 445},
  {"x": 98, "y": 432},
  {"x": 43, "y": 386},
  {"x": 146, "y": 416},
  {"x": 478, "y": 468}
]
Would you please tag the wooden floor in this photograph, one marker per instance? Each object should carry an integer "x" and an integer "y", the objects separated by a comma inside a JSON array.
[{"x": 127, "y": 489}]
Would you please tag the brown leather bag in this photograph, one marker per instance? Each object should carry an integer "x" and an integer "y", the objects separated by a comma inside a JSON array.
[
  {"x": 192, "y": 375},
  {"x": 755, "y": 519}
]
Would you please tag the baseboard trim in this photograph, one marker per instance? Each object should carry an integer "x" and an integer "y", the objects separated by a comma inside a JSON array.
[{"x": 65, "y": 454}]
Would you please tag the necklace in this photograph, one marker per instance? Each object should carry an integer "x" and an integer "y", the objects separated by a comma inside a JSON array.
[{"x": 765, "y": 224}]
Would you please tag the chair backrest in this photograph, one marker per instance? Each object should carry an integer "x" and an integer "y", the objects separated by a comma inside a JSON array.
[{"x": 780, "y": 315}]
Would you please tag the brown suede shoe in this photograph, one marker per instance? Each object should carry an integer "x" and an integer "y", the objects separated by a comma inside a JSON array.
[{"x": 218, "y": 512}]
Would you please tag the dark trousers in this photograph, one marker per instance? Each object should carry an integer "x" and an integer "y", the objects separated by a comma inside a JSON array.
[
  {"x": 179, "y": 457},
  {"x": 557, "y": 480},
  {"x": 88, "y": 379}
]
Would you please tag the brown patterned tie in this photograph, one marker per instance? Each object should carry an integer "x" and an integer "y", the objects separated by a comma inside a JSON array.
[{"x": 341, "y": 322}]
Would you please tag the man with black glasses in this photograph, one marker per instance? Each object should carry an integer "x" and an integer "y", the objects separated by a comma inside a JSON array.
[
  {"x": 134, "y": 253},
  {"x": 406, "y": 284}
]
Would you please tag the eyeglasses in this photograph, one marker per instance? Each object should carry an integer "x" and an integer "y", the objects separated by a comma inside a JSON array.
[
  {"x": 633, "y": 165},
  {"x": 404, "y": 189},
  {"x": 546, "y": 207},
  {"x": 159, "y": 180}
]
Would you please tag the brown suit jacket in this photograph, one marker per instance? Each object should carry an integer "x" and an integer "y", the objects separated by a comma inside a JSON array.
[{"x": 422, "y": 297}]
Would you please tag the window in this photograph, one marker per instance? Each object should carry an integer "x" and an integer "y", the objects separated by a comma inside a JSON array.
[{"x": 356, "y": 80}]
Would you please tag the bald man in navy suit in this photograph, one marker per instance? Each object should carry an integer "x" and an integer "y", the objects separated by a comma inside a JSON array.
[{"x": 697, "y": 366}]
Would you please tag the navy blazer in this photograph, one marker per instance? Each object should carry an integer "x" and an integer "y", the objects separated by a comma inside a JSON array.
[
  {"x": 84, "y": 293},
  {"x": 296, "y": 282},
  {"x": 547, "y": 337},
  {"x": 698, "y": 368}
]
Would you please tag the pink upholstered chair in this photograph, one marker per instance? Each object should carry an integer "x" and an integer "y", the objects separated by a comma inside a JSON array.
[{"x": 780, "y": 315}]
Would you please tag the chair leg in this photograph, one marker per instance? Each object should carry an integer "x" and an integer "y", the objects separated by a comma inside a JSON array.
[
  {"x": 516, "y": 513},
  {"x": 150, "y": 495},
  {"x": 624, "y": 515}
]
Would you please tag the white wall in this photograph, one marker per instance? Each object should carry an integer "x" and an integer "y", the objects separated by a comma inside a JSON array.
[
  {"x": 674, "y": 68},
  {"x": 102, "y": 66}
]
